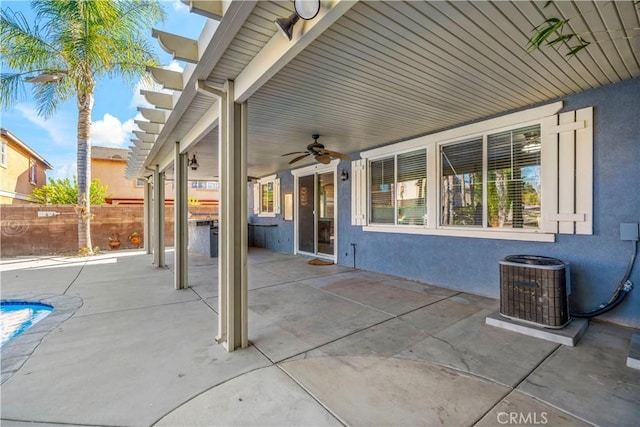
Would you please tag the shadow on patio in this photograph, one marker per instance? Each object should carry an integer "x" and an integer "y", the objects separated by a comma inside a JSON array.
[{"x": 330, "y": 346}]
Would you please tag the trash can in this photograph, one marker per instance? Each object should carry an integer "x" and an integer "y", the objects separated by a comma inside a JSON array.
[{"x": 535, "y": 289}]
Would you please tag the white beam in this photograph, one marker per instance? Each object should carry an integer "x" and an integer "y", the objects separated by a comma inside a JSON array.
[
  {"x": 181, "y": 232},
  {"x": 159, "y": 99},
  {"x": 158, "y": 218},
  {"x": 166, "y": 162},
  {"x": 232, "y": 217},
  {"x": 279, "y": 51},
  {"x": 147, "y": 209},
  {"x": 145, "y": 137},
  {"x": 154, "y": 116},
  {"x": 179, "y": 47},
  {"x": 212, "y": 9},
  {"x": 169, "y": 79},
  {"x": 149, "y": 127},
  {"x": 142, "y": 144}
]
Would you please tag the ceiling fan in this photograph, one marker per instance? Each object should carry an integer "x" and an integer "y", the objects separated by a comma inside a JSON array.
[{"x": 318, "y": 152}]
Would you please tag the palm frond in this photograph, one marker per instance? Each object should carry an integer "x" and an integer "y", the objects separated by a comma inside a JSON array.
[
  {"x": 11, "y": 89},
  {"x": 24, "y": 47},
  {"x": 50, "y": 95}
]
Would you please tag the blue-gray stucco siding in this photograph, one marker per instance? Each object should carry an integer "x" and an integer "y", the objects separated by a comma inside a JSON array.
[{"x": 469, "y": 264}]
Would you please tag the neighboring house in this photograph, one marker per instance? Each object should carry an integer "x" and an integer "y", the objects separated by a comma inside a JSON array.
[
  {"x": 21, "y": 170},
  {"x": 108, "y": 165}
]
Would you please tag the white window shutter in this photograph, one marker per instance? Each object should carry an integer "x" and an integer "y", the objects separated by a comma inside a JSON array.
[
  {"x": 567, "y": 172},
  {"x": 359, "y": 192},
  {"x": 276, "y": 196},
  {"x": 256, "y": 199}
]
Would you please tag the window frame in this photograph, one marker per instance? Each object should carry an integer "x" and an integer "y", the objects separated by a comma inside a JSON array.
[
  {"x": 3, "y": 154},
  {"x": 396, "y": 208},
  {"x": 275, "y": 190},
  {"x": 433, "y": 143},
  {"x": 33, "y": 172},
  {"x": 484, "y": 138}
]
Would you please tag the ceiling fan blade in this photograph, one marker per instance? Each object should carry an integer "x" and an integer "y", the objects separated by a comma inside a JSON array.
[
  {"x": 294, "y": 152},
  {"x": 298, "y": 158},
  {"x": 335, "y": 154},
  {"x": 324, "y": 158}
]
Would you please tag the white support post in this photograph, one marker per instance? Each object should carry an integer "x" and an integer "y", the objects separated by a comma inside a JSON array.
[
  {"x": 181, "y": 231},
  {"x": 147, "y": 219},
  {"x": 232, "y": 253},
  {"x": 158, "y": 218}
]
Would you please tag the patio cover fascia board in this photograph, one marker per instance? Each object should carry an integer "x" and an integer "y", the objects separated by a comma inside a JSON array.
[{"x": 214, "y": 40}]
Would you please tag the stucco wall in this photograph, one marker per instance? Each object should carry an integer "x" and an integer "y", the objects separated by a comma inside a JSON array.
[
  {"x": 281, "y": 237},
  {"x": 597, "y": 262},
  {"x": 112, "y": 174},
  {"x": 15, "y": 176}
]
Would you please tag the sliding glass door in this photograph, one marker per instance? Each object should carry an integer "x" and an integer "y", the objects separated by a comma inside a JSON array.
[{"x": 316, "y": 213}]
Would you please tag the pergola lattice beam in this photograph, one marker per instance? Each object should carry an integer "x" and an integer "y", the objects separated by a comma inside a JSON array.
[
  {"x": 212, "y": 9},
  {"x": 179, "y": 47},
  {"x": 160, "y": 100}
]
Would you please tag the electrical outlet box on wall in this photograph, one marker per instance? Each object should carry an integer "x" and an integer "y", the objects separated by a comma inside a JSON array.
[{"x": 629, "y": 231}]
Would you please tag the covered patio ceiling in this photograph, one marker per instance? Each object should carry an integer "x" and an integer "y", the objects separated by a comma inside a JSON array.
[{"x": 388, "y": 71}]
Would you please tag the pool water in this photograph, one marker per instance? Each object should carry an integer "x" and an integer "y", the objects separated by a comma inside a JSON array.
[{"x": 18, "y": 316}]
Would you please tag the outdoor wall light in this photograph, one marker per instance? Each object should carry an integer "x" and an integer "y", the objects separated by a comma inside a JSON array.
[
  {"x": 193, "y": 163},
  {"x": 344, "y": 175},
  {"x": 305, "y": 9}
]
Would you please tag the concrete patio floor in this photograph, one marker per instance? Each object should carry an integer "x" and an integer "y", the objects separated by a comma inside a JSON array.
[{"x": 330, "y": 346}]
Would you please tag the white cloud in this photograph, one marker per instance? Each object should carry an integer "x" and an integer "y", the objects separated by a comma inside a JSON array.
[
  {"x": 61, "y": 171},
  {"x": 111, "y": 132},
  {"x": 137, "y": 100},
  {"x": 61, "y": 128},
  {"x": 174, "y": 66},
  {"x": 180, "y": 7}
]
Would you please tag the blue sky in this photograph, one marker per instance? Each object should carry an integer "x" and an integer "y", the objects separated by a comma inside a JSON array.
[{"x": 114, "y": 108}]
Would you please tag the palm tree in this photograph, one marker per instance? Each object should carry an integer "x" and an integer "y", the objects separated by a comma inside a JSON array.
[{"x": 71, "y": 45}]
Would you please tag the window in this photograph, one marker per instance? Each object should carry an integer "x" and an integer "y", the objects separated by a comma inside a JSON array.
[
  {"x": 523, "y": 176},
  {"x": 397, "y": 189},
  {"x": 461, "y": 183},
  {"x": 33, "y": 172},
  {"x": 266, "y": 196},
  {"x": 204, "y": 185},
  {"x": 3, "y": 154},
  {"x": 512, "y": 184},
  {"x": 513, "y": 179}
]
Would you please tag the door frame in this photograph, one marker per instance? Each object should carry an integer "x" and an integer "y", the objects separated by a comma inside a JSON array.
[{"x": 309, "y": 170}]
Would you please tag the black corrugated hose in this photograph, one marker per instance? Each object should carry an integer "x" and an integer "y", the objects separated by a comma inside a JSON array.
[{"x": 623, "y": 289}]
